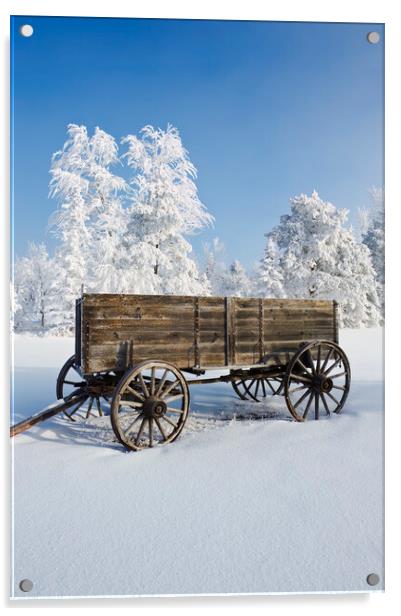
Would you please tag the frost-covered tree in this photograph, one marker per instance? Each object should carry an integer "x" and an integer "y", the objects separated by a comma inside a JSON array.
[
  {"x": 215, "y": 267},
  {"x": 226, "y": 281},
  {"x": 363, "y": 222},
  {"x": 70, "y": 222},
  {"x": 235, "y": 281},
  {"x": 37, "y": 293},
  {"x": 15, "y": 307},
  {"x": 373, "y": 238},
  {"x": 165, "y": 209},
  {"x": 89, "y": 215},
  {"x": 106, "y": 267},
  {"x": 107, "y": 222},
  {"x": 269, "y": 276},
  {"x": 320, "y": 258}
]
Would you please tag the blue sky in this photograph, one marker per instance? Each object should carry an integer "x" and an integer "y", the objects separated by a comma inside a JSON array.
[{"x": 267, "y": 110}]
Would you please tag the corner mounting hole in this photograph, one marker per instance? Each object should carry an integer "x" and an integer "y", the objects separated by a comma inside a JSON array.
[
  {"x": 373, "y": 579},
  {"x": 373, "y": 37},
  {"x": 26, "y": 585},
  {"x": 26, "y": 30}
]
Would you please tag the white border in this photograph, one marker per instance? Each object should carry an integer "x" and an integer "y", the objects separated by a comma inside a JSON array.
[{"x": 285, "y": 10}]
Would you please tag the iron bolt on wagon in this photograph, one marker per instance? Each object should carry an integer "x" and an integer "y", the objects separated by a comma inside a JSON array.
[{"x": 137, "y": 351}]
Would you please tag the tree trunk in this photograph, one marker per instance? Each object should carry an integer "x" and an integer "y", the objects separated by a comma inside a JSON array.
[
  {"x": 42, "y": 313},
  {"x": 156, "y": 267}
]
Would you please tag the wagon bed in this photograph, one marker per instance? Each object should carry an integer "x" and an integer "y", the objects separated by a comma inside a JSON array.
[{"x": 196, "y": 333}]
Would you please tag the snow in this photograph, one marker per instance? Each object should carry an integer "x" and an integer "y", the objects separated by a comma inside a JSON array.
[{"x": 233, "y": 506}]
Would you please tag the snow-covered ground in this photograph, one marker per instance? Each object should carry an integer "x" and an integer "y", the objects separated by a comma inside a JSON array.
[{"x": 233, "y": 506}]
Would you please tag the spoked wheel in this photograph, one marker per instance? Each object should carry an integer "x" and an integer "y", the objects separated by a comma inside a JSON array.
[
  {"x": 70, "y": 379},
  {"x": 257, "y": 389},
  {"x": 150, "y": 405},
  {"x": 317, "y": 381}
]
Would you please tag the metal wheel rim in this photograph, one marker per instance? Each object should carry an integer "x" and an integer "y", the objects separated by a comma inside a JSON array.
[
  {"x": 140, "y": 428},
  {"x": 307, "y": 378}
]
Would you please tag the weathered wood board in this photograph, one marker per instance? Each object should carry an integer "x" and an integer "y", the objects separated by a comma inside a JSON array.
[{"x": 116, "y": 331}]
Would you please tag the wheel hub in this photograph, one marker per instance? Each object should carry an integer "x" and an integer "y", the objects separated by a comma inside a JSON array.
[
  {"x": 154, "y": 407},
  {"x": 322, "y": 383}
]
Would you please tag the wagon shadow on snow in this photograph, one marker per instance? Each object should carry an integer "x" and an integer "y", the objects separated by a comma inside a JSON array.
[
  {"x": 97, "y": 431},
  {"x": 82, "y": 432}
]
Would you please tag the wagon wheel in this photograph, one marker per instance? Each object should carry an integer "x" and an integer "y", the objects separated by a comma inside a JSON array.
[
  {"x": 150, "y": 405},
  {"x": 70, "y": 379},
  {"x": 318, "y": 379},
  {"x": 257, "y": 388}
]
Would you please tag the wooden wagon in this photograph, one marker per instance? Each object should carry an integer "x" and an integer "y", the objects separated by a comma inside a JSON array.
[{"x": 140, "y": 354}]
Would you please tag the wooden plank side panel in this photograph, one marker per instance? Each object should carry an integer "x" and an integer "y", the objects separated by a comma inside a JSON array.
[
  {"x": 185, "y": 323},
  {"x": 246, "y": 330},
  {"x": 297, "y": 304},
  {"x": 283, "y": 325},
  {"x": 124, "y": 330},
  {"x": 140, "y": 312},
  {"x": 173, "y": 340},
  {"x": 208, "y": 322},
  {"x": 124, "y": 354},
  {"x": 294, "y": 321},
  {"x": 118, "y": 330},
  {"x": 101, "y": 364},
  {"x": 128, "y": 329},
  {"x": 299, "y": 333},
  {"x": 105, "y": 299},
  {"x": 291, "y": 322},
  {"x": 150, "y": 337},
  {"x": 212, "y": 331},
  {"x": 78, "y": 326}
]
